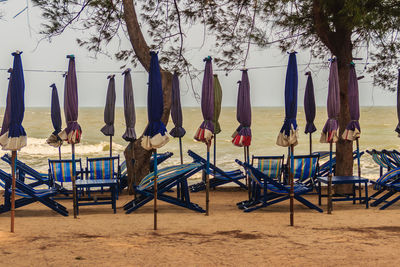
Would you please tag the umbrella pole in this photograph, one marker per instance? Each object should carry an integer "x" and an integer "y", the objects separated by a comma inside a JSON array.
[
  {"x": 208, "y": 179},
  {"x": 59, "y": 152},
  {"x": 74, "y": 180},
  {"x": 291, "y": 186},
  {"x": 13, "y": 163},
  {"x": 358, "y": 168},
  {"x": 215, "y": 152},
  {"x": 180, "y": 149},
  {"x": 247, "y": 177},
  {"x": 310, "y": 144},
  {"x": 330, "y": 180},
  {"x": 110, "y": 146},
  {"x": 155, "y": 189}
]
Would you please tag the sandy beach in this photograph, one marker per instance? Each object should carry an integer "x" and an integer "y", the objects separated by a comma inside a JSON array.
[{"x": 351, "y": 236}]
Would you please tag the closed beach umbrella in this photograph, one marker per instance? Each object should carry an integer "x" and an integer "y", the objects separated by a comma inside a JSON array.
[
  {"x": 15, "y": 138},
  {"x": 109, "y": 111},
  {"x": 206, "y": 130},
  {"x": 309, "y": 108},
  {"x": 154, "y": 135},
  {"x": 54, "y": 139},
  {"x": 7, "y": 113},
  {"x": 72, "y": 134},
  {"x": 287, "y": 137},
  {"x": 129, "y": 108},
  {"x": 353, "y": 129},
  {"x": 398, "y": 105},
  {"x": 217, "y": 112},
  {"x": 329, "y": 132},
  {"x": 176, "y": 113}
]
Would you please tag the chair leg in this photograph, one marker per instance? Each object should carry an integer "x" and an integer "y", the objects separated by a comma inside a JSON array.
[
  {"x": 383, "y": 198},
  {"x": 390, "y": 203},
  {"x": 307, "y": 203}
]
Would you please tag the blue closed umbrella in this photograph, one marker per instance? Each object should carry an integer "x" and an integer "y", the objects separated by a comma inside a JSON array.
[
  {"x": 155, "y": 134},
  {"x": 288, "y": 134},
  {"x": 15, "y": 138}
]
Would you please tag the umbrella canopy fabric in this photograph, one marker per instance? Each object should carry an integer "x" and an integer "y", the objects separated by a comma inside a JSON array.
[
  {"x": 217, "y": 104},
  {"x": 7, "y": 113},
  {"x": 242, "y": 135},
  {"x": 176, "y": 109},
  {"x": 15, "y": 138},
  {"x": 329, "y": 132},
  {"x": 129, "y": 108},
  {"x": 398, "y": 105},
  {"x": 206, "y": 130},
  {"x": 73, "y": 132},
  {"x": 309, "y": 105},
  {"x": 109, "y": 110},
  {"x": 155, "y": 134},
  {"x": 288, "y": 134},
  {"x": 353, "y": 129},
  {"x": 55, "y": 140}
]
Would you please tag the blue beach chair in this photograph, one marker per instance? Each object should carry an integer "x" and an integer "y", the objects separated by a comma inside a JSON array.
[
  {"x": 305, "y": 169},
  {"x": 28, "y": 172},
  {"x": 324, "y": 168},
  {"x": 60, "y": 174},
  {"x": 387, "y": 185},
  {"x": 273, "y": 191},
  {"x": 377, "y": 158},
  {"x": 272, "y": 166},
  {"x": 123, "y": 181},
  {"x": 220, "y": 177},
  {"x": 105, "y": 168},
  {"x": 28, "y": 195},
  {"x": 167, "y": 178}
]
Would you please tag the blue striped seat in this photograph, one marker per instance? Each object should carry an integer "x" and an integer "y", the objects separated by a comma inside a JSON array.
[
  {"x": 272, "y": 167},
  {"x": 61, "y": 171},
  {"x": 103, "y": 168},
  {"x": 273, "y": 191},
  {"x": 305, "y": 167}
]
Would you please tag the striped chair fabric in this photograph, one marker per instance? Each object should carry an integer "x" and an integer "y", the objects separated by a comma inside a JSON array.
[
  {"x": 270, "y": 167},
  {"x": 387, "y": 178},
  {"x": 101, "y": 169},
  {"x": 61, "y": 171},
  {"x": 166, "y": 174},
  {"x": 304, "y": 168}
]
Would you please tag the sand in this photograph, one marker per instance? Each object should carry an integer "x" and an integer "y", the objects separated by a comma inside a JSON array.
[{"x": 351, "y": 236}]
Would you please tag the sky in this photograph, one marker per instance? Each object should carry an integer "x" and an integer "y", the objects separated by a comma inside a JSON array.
[{"x": 267, "y": 83}]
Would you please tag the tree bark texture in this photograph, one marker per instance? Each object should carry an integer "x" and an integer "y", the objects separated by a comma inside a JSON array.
[{"x": 134, "y": 151}]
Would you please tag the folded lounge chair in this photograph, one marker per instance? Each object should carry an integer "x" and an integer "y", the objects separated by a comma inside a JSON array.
[
  {"x": 26, "y": 171},
  {"x": 324, "y": 168},
  {"x": 377, "y": 158},
  {"x": 273, "y": 191},
  {"x": 123, "y": 181},
  {"x": 387, "y": 185},
  {"x": 167, "y": 178},
  {"x": 221, "y": 177},
  {"x": 28, "y": 195}
]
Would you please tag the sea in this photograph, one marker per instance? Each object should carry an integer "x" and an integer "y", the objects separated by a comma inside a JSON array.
[{"x": 377, "y": 132}]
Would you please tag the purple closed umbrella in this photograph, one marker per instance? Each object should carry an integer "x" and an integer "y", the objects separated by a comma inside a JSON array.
[
  {"x": 206, "y": 130},
  {"x": 7, "y": 113},
  {"x": 54, "y": 139},
  {"x": 129, "y": 108},
  {"x": 329, "y": 132},
  {"x": 353, "y": 129},
  {"x": 73, "y": 132},
  {"x": 176, "y": 113},
  {"x": 109, "y": 111},
  {"x": 398, "y": 105},
  {"x": 309, "y": 108}
]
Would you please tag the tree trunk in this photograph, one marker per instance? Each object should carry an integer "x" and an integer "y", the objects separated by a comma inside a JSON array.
[
  {"x": 344, "y": 148},
  {"x": 141, "y": 157}
]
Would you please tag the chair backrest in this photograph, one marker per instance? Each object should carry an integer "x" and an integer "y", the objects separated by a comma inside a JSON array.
[
  {"x": 272, "y": 166},
  {"x": 388, "y": 177},
  {"x": 305, "y": 167},
  {"x": 123, "y": 169},
  {"x": 62, "y": 170},
  {"x": 103, "y": 168},
  {"x": 377, "y": 158}
]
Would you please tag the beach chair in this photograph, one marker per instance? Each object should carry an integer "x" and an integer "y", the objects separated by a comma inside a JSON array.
[
  {"x": 220, "y": 177},
  {"x": 323, "y": 169},
  {"x": 386, "y": 186},
  {"x": 28, "y": 195},
  {"x": 123, "y": 181},
  {"x": 104, "y": 168},
  {"x": 167, "y": 178},
  {"x": 377, "y": 158},
  {"x": 60, "y": 174},
  {"x": 304, "y": 169},
  {"x": 273, "y": 191},
  {"x": 393, "y": 156},
  {"x": 272, "y": 166},
  {"x": 28, "y": 172}
]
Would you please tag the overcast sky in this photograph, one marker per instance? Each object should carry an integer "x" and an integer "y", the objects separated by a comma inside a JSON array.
[{"x": 267, "y": 84}]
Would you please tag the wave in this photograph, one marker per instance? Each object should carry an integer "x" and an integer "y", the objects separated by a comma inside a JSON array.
[{"x": 39, "y": 147}]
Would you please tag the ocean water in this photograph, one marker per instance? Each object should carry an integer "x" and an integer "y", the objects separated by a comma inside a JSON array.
[{"x": 377, "y": 126}]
